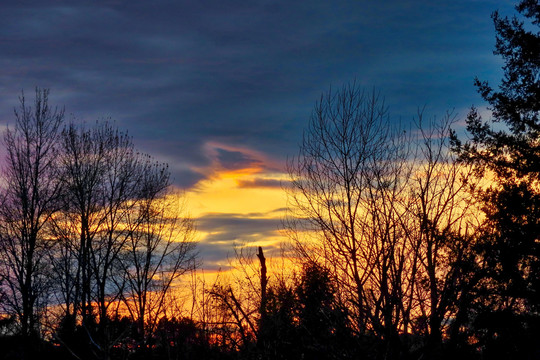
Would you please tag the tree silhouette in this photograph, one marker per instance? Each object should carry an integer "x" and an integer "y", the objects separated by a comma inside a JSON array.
[
  {"x": 87, "y": 223},
  {"x": 389, "y": 214},
  {"x": 507, "y": 146},
  {"x": 29, "y": 198},
  {"x": 348, "y": 184},
  {"x": 159, "y": 249},
  {"x": 324, "y": 331},
  {"x": 119, "y": 237}
]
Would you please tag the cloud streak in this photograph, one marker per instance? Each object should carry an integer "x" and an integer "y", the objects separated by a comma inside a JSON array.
[{"x": 223, "y": 231}]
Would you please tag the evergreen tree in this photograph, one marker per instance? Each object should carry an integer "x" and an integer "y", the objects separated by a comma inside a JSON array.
[
  {"x": 322, "y": 321},
  {"x": 508, "y": 146}
]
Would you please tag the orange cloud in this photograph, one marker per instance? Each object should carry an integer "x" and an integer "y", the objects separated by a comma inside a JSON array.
[{"x": 240, "y": 201}]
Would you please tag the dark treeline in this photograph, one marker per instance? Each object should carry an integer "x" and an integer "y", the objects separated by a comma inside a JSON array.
[
  {"x": 405, "y": 243},
  {"x": 89, "y": 228}
]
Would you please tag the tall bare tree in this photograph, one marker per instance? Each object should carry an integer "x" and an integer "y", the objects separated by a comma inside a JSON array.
[
  {"x": 30, "y": 192},
  {"x": 119, "y": 239},
  {"x": 347, "y": 183},
  {"x": 91, "y": 197},
  {"x": 444, "y": 227},
  {"x": 385, "y": 209},
  {"x": 159, "y": 249}
]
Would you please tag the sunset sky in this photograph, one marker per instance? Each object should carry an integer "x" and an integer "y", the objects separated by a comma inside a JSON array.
[{"x": 221, "y": 90}]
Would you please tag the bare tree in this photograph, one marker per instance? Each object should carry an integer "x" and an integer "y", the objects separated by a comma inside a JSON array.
[
  {"x": 159, "y": 249},
  {"x": 385, "y": 210},
  {"x": 239, "y": 298},
  {"x": 99, "y": 173},
  {"x": 119, "y": 236},
  {"x": 99, "y": 176},
  {"x": 444, "y": 226},
  {"x": 29, "y": 199},
  {"x": 121, "y": 181},
  {"x": 347, "y": 182}
]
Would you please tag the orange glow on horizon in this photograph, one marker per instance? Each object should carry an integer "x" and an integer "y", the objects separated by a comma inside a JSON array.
[{"x": 250, "y": 192}]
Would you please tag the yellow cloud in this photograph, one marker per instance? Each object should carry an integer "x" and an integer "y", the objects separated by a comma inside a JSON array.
[{"x": 225, "y": 192}]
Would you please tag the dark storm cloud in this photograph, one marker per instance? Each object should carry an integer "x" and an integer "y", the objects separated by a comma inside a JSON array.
[{"x": 180, "y": 73}]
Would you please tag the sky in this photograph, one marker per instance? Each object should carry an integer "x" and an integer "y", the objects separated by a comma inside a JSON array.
[{"x": 221, "y": 90}]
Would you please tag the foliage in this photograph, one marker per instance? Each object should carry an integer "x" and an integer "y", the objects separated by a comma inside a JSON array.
[{"x": 506, "y": 310}]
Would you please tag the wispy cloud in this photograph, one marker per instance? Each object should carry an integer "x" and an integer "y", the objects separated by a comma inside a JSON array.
[
  {"x": 221, "y": 232},
  {"x": 263, "y": 183}
]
